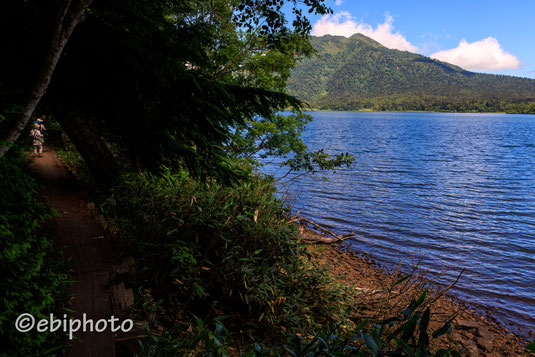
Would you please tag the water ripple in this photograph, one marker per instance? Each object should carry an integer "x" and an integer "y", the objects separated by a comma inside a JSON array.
[{"x": 458, "y": 190}]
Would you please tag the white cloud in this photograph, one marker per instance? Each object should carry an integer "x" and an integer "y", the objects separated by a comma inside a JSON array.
[
  {"x": 338, "y": 2},
  {"x": 343, "y": 24},
  {"x": 483, "y": 55}
]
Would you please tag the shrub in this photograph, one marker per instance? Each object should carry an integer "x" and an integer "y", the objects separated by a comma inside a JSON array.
[
  {"x": 213, "y": 248},
  {"x": 32, "y": 275}
]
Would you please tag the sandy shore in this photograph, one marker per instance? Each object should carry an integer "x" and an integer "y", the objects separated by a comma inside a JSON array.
[{"x": 477, "y": 333}]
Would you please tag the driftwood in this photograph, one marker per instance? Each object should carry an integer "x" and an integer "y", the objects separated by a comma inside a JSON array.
[
  {"x": 318, "y": 238},
  {"x": 325, "y": 237}
]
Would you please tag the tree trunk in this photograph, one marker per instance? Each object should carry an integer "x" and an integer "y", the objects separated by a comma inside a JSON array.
[
  {"x": 71, "y": 15},
  {"x": 98, "y": 157}
]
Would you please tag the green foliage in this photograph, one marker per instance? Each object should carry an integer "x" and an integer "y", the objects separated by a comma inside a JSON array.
[
  {"x": 279, "y": 135},
  {"x": 247, "y": 55},
  {"x": 275, "y": 135},
  {"x": 317, "y": 160},
  {"x": 209, "y": 339},
  {"x": 251, "y": 13},
  {"x": 33, "y": 278},
  {"x": 253, "y": 58},
  {"x": 179, "y": 76},
  {"x": 210, "y": 248},
  {"x": 8, "y": 112},
  {"x": 358, "y": 73},
  {"x": 521, "y": 108},
  {"x": 405, "y": 335},
  {"x": 167, "y": 99}
]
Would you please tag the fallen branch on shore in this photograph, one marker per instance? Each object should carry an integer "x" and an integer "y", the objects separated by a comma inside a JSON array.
[
  {"x": 447, "y": 288},
  {"x": 325, "y": 237}
]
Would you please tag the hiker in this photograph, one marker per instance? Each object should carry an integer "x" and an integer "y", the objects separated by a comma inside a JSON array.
[
  {"x": 38, "y": 140},
  {"x": 40, "y": 121}
]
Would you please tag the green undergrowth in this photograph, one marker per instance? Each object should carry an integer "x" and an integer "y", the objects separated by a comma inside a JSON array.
[
  {"x": 221, "y": 272},
  {"x": 34, "y": 278},
  {"x": 213, "y": 250}
]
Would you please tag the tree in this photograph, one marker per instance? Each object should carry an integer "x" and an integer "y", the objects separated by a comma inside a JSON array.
[
  {"x": 69, "y": 16},
  {"x": 249, "y": 58},
  {"x": 165, "y": 99},
  {"x": 167, "y": 82},
  {"x": 279, "y": 135}
]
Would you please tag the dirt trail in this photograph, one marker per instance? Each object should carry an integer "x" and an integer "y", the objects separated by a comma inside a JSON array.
[{"x": 83, "y": 239}]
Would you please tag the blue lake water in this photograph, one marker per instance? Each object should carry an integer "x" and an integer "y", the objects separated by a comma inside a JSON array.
[{"x": 455, "y": 190}]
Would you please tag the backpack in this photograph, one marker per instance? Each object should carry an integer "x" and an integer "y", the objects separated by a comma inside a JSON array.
[{"x": 35, "y": 133}]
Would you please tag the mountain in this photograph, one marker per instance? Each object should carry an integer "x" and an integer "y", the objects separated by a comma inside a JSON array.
[{"x": 359, "y": 73}]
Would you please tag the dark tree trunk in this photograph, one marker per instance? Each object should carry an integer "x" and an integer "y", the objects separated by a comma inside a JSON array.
[
  {"x": 98, "y": 157},
  {"x": 71, "y": 15}
]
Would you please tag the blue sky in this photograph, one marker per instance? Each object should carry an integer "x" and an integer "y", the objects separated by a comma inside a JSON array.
[{"x": 484, "y": 36}]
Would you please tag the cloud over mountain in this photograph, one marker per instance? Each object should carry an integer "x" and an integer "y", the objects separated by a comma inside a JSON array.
[
  {"x": 343, "y": 24},
  {"x": 483, "y": 55}
]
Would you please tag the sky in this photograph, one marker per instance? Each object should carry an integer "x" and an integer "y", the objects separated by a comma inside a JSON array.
[{"x": 488, "y": 36}]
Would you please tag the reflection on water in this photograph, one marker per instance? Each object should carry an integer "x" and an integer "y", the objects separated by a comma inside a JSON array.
[{"x": 458, "y": 189}]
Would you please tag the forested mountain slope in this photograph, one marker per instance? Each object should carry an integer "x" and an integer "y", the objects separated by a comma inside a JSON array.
[{"x": 359, "y": 73}]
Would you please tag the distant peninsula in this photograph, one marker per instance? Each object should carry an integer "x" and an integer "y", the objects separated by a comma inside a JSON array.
[{"x": 358, "y": 73}]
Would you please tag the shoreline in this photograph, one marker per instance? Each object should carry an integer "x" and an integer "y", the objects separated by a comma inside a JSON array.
[
  {"x": 408, "y": 111},
  {"x": 475, "y": 329}
]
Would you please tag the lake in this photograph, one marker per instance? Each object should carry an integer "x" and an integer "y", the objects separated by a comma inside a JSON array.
[{"x": 455, "y": 190}]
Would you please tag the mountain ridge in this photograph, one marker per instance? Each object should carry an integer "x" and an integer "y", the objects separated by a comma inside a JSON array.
[{"x": 359, "y": 73}]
